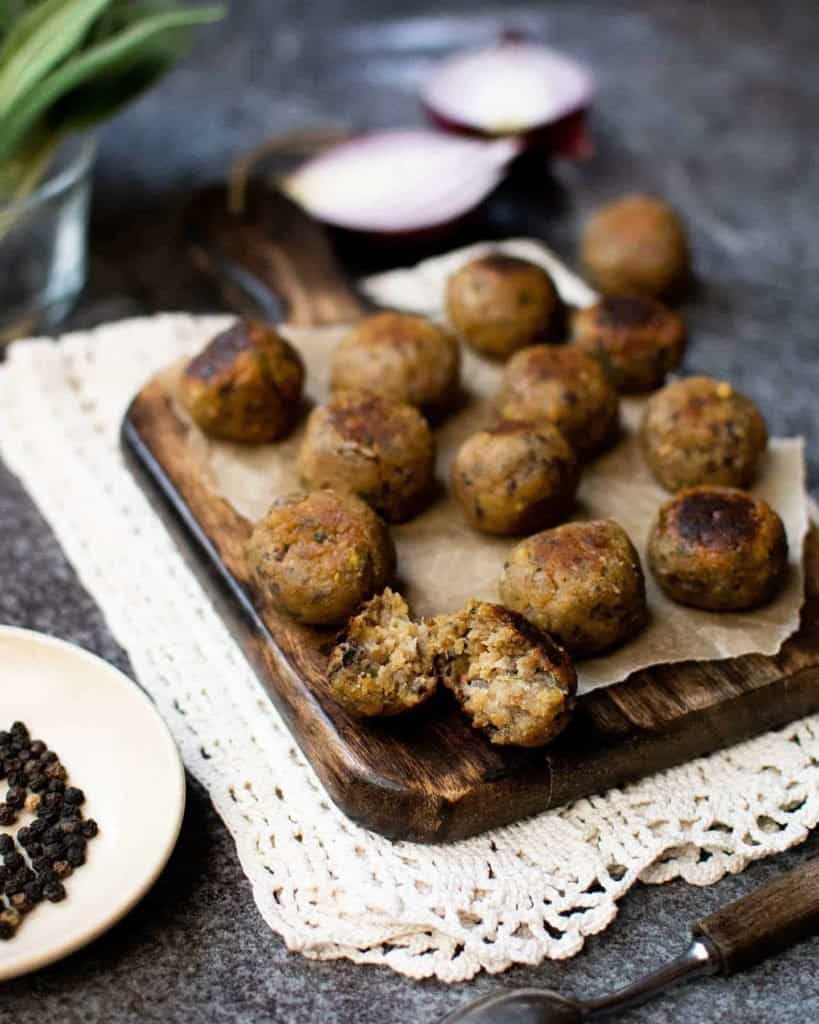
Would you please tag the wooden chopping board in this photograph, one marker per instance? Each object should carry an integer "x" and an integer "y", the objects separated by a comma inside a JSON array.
[{"x": 427, "y": 776}]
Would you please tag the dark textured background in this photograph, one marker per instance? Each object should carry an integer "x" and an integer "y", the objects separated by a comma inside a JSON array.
[{"x": 713, "y": 105}]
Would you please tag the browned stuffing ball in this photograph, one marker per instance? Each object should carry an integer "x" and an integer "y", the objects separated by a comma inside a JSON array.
[
  {"x": 382, "y": 662},
  {"x": 403, "y": 357},
  {"x": 702, "y": 431},
  {"x": 510, "y": 680},
  {"x": 565, "y": 387},
  {"x": 515, "y": 477},
  {"x": 245, "y": 385},
  {"x": 318, "y": 556},
  {"x": 719, "y": 549},
  {"x": 377, "y": 448},
  {"x": 636, "y": 340},
  {"x": 636, "y": 246},
  {"x": 500, "y": 303},
  {"x": 580, "y": 582}
]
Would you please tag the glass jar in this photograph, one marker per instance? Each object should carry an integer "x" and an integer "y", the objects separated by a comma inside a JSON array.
[{"x": 43, "y": 244}]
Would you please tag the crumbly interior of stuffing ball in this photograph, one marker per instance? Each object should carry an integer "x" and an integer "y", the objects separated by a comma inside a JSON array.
[
  {"x": 382, "y": 663},
  {"x": 511, "y": 680}
]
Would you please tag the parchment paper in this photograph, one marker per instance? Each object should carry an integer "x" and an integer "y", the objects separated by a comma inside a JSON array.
[{"x": 443, "y": 562}]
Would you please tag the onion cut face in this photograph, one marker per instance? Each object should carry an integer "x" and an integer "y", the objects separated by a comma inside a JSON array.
[
  {"x": 397, "y": 182},
  {"x": 513, "y": 88}
]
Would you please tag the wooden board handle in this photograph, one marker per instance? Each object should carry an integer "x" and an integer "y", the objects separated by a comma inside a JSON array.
[
  {"x": 271, "y": 259},
  {"x": 765, "y": 922}
]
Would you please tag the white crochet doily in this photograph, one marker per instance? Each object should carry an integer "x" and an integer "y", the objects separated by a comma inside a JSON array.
[{"x": 517, "y": 895}]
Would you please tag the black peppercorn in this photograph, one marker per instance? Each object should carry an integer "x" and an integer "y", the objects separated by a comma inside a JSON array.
[
  {"x": 70, "y": 828},
  {"x": 24, "y": 836},
  {"x": 38, "y": 783},
  {"x": 49, "y": 757},
  {"x": 34, "y": 849},
  {"x": 55, "y": 771},
  {"x": 13, "y": 861},
  {"x": 75, "y": 856},
  {"x": 21, "y": 903},
  {"x": 56, "y": 785},
  {"x": 17, "y": 778},
  {"x": 70, "y": 812},
  {"x": 42, "y": 864},
  {"x": 5, "y": 738},
  {"x": 74, "y": 796},
  {"x": 63, "y": 868},
  {"x": 6, "y": 844},
  {"x": 6, "y": 931},
  {"x": 16, "y": 797},
  {"x": 38, "y": 748},
  {"x": 90, "y": 828},
  {"x": 54, "y": 891},
  {"x": 53, "y": 850},
  {"x": 37, "y": 828},
  {"x": 52, "y": 801},
  {"x": 8, "y": 815},
  {"x": 53, "y": 834},
  {"x": 34, "y": 890},
  {"x": 20, "y": 732}
]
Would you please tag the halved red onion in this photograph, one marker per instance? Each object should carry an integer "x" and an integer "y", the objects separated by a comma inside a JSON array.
[
  {"x": 515, "y": 87},
  {"x": 396, "y": 182}
]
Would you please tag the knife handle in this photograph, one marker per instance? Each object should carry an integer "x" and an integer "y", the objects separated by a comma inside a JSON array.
[{"x": 766, "y": 921}]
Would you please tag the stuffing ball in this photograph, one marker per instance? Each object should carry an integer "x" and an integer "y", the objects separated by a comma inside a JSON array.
[
  {"x": 565, "y": 387},
  {"x": 581, "y": 582},
  {"x": 500, "y": 303},
  {"x": 245, "y": 385},
  {"x": 636, "y": 246},
  {"x": 318, "y": 556},
  {"x": 515, "y": 478},
  {"x": 636, "y": 340},
  {"x": 510, "y": 680},
  {"x": 402, "y": 357},
  {"x": 702, "y": 431},
  {"x": 379, "y": 449},
  {"x": 382, "y": 663},
  {"x": 719, "y": 549}
]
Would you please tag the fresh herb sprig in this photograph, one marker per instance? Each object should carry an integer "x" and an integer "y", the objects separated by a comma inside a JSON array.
[{"x": 65, "y": 65}]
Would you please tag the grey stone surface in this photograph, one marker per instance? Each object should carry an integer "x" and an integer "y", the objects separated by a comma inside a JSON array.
[{"x": 712, "y": 105}]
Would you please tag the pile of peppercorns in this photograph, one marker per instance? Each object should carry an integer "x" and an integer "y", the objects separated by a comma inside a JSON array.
[{"x": 53, "y": 845}]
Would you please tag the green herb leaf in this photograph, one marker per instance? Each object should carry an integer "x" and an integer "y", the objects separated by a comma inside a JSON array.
[
  {"x": 47, "y": 35},
  {"x": 124, "y": 64}
]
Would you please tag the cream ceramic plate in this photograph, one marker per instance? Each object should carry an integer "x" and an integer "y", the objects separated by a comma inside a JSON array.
[{"x": 116, "y": 748}]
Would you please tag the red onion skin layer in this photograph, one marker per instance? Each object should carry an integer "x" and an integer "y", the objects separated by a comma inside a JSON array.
[{"x": 567, "y": 137}]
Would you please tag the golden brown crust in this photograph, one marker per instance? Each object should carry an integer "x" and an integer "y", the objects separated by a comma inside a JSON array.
[
  {"x": 403, "y": 357},
  {"x": 500, "y": 304},
  {"x": 565, "y": 387},
  {"x": 702, "y": 431},
  {"x": 511, "y": 680},
  {"x": 636, "y": 340},
  {"x": 379, "y": 449},
  {"x": 636, "y": 246},
  {"x": 382, "y": 662},
  {"x": 244, "y": 386},
  {"x": 515, "y": 478},
  {"x": 317, "y": 556},
  {"x": 719, "y": 549},
  {"x": 580, "y": 582}
]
